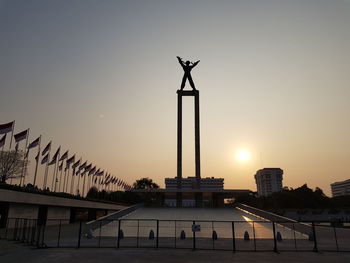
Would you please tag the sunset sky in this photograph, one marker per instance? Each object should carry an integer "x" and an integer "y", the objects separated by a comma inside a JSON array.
[{"x": 100, "y": 77}]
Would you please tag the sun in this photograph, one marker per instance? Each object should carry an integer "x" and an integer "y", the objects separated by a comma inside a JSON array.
[{"x": 243, "y": 155}]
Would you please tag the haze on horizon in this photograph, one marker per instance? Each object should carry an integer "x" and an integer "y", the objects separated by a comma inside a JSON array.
[{"x": 100, "y": 79}]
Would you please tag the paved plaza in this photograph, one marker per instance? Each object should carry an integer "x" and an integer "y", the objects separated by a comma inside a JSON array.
[{"x": 11, "y": 252}]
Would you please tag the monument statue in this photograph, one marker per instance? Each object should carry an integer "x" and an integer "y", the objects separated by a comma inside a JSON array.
[{"x": 187, "y": 67}]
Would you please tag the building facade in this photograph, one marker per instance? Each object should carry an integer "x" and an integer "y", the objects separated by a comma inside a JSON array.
[
  {"x": 341, "y": 188},
  {"x": 268, "y": 181},
  {"x": 190, "y": 183}
]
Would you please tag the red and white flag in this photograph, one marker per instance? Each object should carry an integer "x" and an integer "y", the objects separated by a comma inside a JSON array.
[
  {"x": 45, "y": 159},
  {"x": 47, "y": 148},
  {"x": 54, "y": 158},
  {"x": 88, "y": 168},
  {"x": 64, "y": 156},
  {"x": 71, "y": 160},
  {"x": 7, "y": 127},
  {"x": 81, "y": 167},
  {"x": 21, "y": 135},
  {"x": 34, "y": 143},
  {"x": 60, "y": 166},
  {"x": 2, "y": 140},
  {"x": 92, "y": 170},
  {"x": 37, "y": 157},
  {"x": 76, "y": 164}
]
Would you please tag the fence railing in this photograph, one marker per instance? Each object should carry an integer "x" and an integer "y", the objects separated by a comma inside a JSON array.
[{"x": 245, "y": 235}]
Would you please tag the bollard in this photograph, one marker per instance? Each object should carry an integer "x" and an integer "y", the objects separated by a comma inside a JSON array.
[
  {"x": 246, "y": 236},
  {"x": 89, "y": 235},
  {"x": 182, "y": 235},
  {"x": 279, "y": 236},
  {"x": 151, "y": 235},
  {"x": 214, "y": 235},
  {"x": 311, "y": 236},
  {"x": 121, "y": 234}
]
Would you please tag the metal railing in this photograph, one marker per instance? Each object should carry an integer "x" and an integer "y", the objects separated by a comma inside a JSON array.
[{"x": 248, "y": 235}]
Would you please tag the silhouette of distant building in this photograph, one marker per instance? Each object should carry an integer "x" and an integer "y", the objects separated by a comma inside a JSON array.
[
  {"x": 341, "y": 188},
  {"x": 268, "y": 181},
  {"x": 189, "y": 183}
]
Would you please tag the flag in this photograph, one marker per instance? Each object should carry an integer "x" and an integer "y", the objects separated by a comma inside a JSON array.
[
  {"x": 54, "y": 158},
  {"x": 81, "y": 167},
  {"x": 75, "y": 165},
  {"x": 34, "y": 143},
  {"x": 2, "y": 140},
  {"x": 47, "y": 148},
  {"x": 60, "y": 166},
  {"x": 92, "y": 170},
  {"x": 64, "y": 156},
  {"x": 56, "y": 154},
  {"x": 45, "y": 159},
  {"x": 21, "y": 135},
  {"x": 7, "y": 127},
  {"x": 37, "y": 157},
  {"x": 71, "y": 160},
  {"x": 88, "y": 168}
]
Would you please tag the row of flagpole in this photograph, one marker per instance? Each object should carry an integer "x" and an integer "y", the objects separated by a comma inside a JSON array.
[{"x": 87, "y": 173}]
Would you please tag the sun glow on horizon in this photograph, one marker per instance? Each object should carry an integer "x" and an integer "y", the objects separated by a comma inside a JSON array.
[{"x": 243, "y": 155}]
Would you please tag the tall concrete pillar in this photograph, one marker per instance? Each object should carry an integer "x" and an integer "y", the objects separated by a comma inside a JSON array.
[
  {"x": 195, "y": 94},
  {"x": 197, "y": 135}
]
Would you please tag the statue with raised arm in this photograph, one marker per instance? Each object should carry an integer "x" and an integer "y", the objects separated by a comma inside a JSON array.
[{"x": 187, "y": 67}]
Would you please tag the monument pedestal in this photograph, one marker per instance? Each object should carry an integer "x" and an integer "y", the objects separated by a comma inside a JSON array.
[{"x": 195, "y": 94}]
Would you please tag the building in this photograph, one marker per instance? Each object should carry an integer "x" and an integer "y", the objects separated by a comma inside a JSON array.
[
  {"x": 268, "y": 181},
  {"x": 194, "y": 192},
  {"x": 190, "y": 183},
  {"x": 341, "y": 188}
]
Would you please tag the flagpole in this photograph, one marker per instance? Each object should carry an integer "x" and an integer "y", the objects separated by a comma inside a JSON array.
[
  {"x": 55, "y": 172},
  {"x": 72, "y": 182},
  {"x": 46, "y": 170},
  {"x": 84, "y": 185},
  {"x": 24, "y": 159},
  {"x": 66, "y": 190},
  {"x": 37, "y": 162},
  {"x": 13, "y": 127},
  {"x": 59, "y": 183},
  {"x": 88, "y": 183},
  {"x": 78, "y": 192},
  {"x": 2, "y": 148},
  {"x": 64, "y": 179}
]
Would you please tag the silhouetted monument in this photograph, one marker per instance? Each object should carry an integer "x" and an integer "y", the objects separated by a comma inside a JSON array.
[
  {"x": 187, "y": 67},
  {"x": 192, "y": 191}
]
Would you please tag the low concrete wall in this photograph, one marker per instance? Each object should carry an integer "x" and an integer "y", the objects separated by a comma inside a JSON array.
[
  {"x": 54, "y": 212},
  {"x": 114, "y": 216},
  {"x": 287, "y": 222},
  {"x": 23, "y": 211},
  {"x": 38, "y": 199}
]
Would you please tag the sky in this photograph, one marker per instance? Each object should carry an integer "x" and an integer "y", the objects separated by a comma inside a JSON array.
[{"x": 100, "y": 77}]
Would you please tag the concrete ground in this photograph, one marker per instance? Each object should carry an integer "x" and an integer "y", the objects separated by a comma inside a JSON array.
[{"x": 14, "y": 252}]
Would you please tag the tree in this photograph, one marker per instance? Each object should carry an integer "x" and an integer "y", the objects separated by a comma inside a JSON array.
[
  {"x": 11, "y": 165},
  {"x": 145, "y": 183}
]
